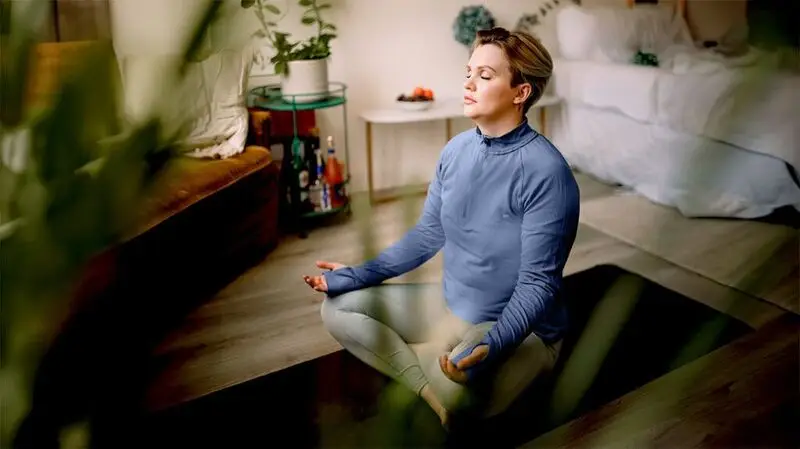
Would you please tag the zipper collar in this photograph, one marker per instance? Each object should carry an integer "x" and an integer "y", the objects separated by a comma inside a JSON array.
[{"x": 509, "y": 141}]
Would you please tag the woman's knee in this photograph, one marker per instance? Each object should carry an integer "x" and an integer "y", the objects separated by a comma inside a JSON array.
[
  {"x": 335, "y": 309},
  {"x": 331, "y": 315}
]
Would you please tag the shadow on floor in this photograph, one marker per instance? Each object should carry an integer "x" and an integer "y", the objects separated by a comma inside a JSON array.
[{"x": 626, "y": 331}]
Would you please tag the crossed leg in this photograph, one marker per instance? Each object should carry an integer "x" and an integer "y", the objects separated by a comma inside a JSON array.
[{"x": 402, "y": 329}]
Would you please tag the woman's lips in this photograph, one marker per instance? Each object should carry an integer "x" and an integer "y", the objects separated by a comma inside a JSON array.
[{"x": 469, "y": 100}]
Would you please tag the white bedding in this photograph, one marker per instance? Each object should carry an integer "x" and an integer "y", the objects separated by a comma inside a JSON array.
[
  {"x": 700, "y": 177},
  {"x": 740, "y": 106},
  {"x": 628, "y": 89},
  {"x": 748, "y": 108}
]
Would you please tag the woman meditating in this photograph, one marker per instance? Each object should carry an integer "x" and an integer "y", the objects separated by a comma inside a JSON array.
[{"x": 503, "y": 206}]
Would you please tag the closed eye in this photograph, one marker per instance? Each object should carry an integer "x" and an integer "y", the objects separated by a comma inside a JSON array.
[{"x": 484, "y": 75}]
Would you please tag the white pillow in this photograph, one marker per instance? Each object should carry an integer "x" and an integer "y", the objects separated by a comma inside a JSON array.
[
  {"x": 209, "y": 103},
  {"x": 615, "y": 34},
  {"x": 575, "y": 31}
]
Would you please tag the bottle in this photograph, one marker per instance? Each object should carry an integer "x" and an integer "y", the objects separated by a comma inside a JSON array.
[
  {"x": 333, "y": 175},
  {"x": 259, "y": 129},
  {"x": 315, "y": 191},
  {"x": 300, "y": 182},
  {"x": 320, "y": 190},
  {"x": 312, "y": 145}
]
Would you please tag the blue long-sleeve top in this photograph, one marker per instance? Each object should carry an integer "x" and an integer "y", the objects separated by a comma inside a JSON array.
[{"x": 505, "y": 212}]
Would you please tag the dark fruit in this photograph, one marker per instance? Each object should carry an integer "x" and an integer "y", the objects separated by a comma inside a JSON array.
[{"x": 404, "y": 97}]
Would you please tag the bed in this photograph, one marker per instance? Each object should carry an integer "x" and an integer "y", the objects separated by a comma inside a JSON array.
[{"x": 711, "y": 134}]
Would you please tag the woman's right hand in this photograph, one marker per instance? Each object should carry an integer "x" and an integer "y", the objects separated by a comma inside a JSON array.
[{"x": 318, "y": 282}]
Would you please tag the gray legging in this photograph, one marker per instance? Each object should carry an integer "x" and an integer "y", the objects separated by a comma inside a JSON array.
[{"x": 402, "y": 329}]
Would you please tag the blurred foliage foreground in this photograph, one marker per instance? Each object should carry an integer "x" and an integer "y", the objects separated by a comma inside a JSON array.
[{"x": 71, "y": 175}]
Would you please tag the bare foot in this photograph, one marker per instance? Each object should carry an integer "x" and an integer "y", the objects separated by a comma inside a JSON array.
[{"x": 427, "y": 394}]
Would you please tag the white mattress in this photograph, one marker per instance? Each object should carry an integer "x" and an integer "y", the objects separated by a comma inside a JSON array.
[
  {"x": 738, "y": 105},
  {"x": 701, "y": 177}
]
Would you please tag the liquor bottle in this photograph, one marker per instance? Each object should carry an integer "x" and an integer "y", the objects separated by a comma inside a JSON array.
[
  {"x": 259, "y": 129},
  {"x": 300, "y": 182},
  {"x": 333, "y": 175},
  {"x": 312, "y": 145}
]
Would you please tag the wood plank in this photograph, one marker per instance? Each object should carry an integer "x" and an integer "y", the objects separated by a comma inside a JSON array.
[
  {"x": 759, "y": 258},
  {"x": 728, "y": 397},
  {"x": 739, "y": 305}
]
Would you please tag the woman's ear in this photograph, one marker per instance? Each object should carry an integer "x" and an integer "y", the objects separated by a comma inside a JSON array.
[{"x": 524, "y": 91}]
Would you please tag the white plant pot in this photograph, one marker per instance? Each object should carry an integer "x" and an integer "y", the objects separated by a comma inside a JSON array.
[{"x": 306, "y": 82}]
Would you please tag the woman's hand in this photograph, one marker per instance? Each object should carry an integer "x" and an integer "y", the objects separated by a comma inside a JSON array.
[
  {"x": 458, "y": 372},
  {"x": 318, "y": 282}
]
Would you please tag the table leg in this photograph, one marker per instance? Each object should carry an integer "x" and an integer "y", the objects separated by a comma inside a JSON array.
[
  {"x": 449, "y": 127},
  {"x": 369, "y": 162},
  {"x": 543, "y": 121}
]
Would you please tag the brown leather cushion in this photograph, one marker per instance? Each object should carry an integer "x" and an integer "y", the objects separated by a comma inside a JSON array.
[{"x": 188, "y": 180}]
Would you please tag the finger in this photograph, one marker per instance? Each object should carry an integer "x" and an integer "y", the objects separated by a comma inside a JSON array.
[
  {"x": 466, "y": 362},
  {"x": 452, "y": 368},
  {"x": 325, "y": 265},
  {"x": 454, "y": 373},
  {"x": 477, "y": 354},
  {"x": 312, "y": 282},
  {"x": 470, "y": 360}
]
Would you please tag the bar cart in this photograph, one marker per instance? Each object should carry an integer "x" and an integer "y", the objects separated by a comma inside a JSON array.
[{"x": 270, "y": 98}]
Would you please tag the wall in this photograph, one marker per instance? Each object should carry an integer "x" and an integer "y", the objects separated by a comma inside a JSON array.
[
  {"x": 384, "y": 48},
  {"x": 713, "y": 20},
  {"x": 387, "y": 47}
]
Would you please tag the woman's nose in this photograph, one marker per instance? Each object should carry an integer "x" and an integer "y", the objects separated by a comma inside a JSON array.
[{"x": 468, "y": 84}]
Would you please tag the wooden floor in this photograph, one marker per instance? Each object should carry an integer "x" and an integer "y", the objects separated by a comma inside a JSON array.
[
  {"x": 268, "y": 320},
  {"x": 742, "y": 395}
]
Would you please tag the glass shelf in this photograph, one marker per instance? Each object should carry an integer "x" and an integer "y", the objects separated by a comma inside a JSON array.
[
  {"x": 333, "y": 210},
  {"x": 320, "y": 213},
  {"x": 270, "y": 97}
]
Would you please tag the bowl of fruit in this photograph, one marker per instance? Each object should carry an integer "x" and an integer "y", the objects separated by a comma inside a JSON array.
[{"x": 419, "y": 100}]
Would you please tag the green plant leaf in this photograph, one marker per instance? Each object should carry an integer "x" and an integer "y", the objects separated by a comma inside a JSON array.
[
  {"x": 16, "y": 53},
  {"x": 247, "y": 3},
  {"x": 207, "y": 20},
  {"x": 308, "y": 20},
  {"x": 59, "y": 146},
  {"x": 323, "y": 6},
  {"x": 328, "y": 26},
  {"x": 272, "y": 8},
  {"x": 306, "y": 2}
]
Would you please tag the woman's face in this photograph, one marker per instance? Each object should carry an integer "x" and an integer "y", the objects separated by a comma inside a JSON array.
[{"x": 487, "y": 89}]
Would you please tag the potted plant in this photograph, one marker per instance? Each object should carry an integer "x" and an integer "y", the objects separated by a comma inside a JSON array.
[{"x": 302, "y": 65}]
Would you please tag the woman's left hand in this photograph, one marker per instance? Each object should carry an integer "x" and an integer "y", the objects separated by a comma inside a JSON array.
[{"x": 457, "y": 372}]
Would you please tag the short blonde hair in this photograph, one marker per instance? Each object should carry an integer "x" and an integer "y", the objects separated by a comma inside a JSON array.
[{"x": 529, "y": 60}]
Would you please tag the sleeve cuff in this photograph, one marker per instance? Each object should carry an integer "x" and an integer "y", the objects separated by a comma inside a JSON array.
[{"x": 337, "y": 282}]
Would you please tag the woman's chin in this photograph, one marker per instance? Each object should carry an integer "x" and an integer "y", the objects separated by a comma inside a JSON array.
[{"x": 471, "y": 111}]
